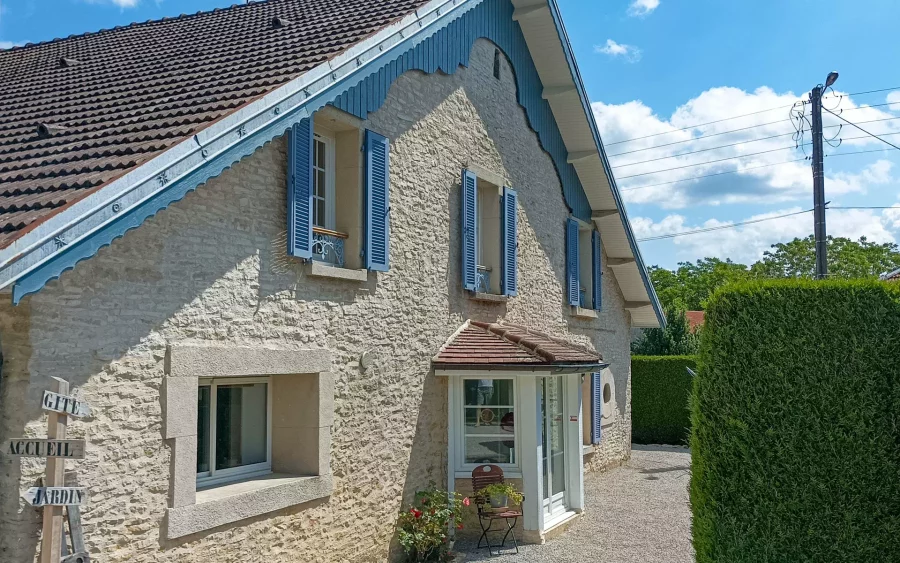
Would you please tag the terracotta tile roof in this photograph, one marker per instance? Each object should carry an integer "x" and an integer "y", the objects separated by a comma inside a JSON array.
[
  {"x": 695, "y": 319},
  {"x": 479, "y": 343},
  {"x": 82, "y": 111}
]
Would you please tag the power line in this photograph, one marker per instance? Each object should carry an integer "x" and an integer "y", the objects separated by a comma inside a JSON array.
[
  {"x": 715, "y": 174},
  {"x": 699, "y": 125},
  {"x": 692, "y": 178},
  {"x": 705, "y": 150},
  {"x": 721, "y": 227},
  {"x": 737, "y": 130},
  {"x": 865, "y": 207},
  {"x": 866, "y": 92},
  {"x": 706, "y": 162},
  {"x": 861, "y": 129}
]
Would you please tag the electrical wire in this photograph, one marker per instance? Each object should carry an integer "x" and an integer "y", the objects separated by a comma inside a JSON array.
[
  {"x": 696, "y": 126},
  {"x": 865, "y": 207},
  {"x": 742, "y": 170},
  {"x": 711, "y": 175},
  {"x": 721, "y": 227},
  {"x": 863, "y": 130},
  {"x": 707, "y": 162},
  {"x": 870, "y": 92}
]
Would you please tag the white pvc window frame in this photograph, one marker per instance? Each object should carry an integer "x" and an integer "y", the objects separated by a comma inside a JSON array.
[
  {"x": 458, "y": 426},
  {"x": 221, "y": 476},
  {"x": 326, "y": 137}
]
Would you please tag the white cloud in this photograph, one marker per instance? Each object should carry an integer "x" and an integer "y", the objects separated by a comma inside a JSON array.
[
  {"x": 629, "y": 53},
  {"x": 893, "y": 98},
  {"x": 641, "y": 8},
  {"x": 120, "y": 3},
  {"x": 11, "y": 44},
  {"x": 762, "y": 140},
  {"x": 746, "y": 243}
]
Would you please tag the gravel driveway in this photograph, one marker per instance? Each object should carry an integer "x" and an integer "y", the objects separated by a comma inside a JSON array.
[{"x": 635, "y": 513}]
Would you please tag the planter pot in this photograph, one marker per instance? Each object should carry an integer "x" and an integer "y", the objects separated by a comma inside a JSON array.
[{"x": 499, "y": 502}]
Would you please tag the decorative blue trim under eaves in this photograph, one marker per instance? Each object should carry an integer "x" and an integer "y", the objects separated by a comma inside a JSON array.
[{"x": 443, "y": 44}]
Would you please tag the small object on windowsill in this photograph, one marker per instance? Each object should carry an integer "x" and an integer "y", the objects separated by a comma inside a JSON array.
[{"x": 583, "y": 313}]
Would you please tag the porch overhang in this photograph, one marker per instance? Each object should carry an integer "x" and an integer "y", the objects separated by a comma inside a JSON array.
[{"x": 511, "y": 349}]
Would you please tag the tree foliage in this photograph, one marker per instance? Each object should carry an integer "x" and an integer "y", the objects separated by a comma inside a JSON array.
[
  {"x": 675, "y": 339},
  {"x": 691, "y": 284}
]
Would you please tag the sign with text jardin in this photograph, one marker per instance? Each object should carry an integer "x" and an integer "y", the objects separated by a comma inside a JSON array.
[
  {"x": 33, "y": 447},
  {"x": 64, "y": 404},
  {"x": 54, "y": 496}
]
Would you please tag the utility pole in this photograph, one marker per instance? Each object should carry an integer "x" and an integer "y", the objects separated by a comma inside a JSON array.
[{"x": 818, "y": 167}]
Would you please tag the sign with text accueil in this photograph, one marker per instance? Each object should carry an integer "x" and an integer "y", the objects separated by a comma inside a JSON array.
[
  {"x": 64, "y": 404},
  {"x": 33, "y": 447},
  {"x": 54, "y": 496}
]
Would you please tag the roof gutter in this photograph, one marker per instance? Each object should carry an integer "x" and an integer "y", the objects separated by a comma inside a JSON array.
[{"x": 555, "y": 369}]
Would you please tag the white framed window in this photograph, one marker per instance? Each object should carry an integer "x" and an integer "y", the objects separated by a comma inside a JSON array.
[
  {"x": 323, "y": 205},
  {"x": 234, "y": 429},
  {"x": 485, "y": 430}
]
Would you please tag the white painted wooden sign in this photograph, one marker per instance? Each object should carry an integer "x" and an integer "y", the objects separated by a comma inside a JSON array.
[
  {"x": 54, "y": 496},
  {"x": 30, "y": 447},
  {"x": 64, "y": 404}
]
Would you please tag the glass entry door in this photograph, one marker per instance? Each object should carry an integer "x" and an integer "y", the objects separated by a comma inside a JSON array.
[{"x": 552, "y": 393}]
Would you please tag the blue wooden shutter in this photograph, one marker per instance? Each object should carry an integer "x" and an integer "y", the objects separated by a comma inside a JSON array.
[
  {"x": 377, "y": 188},
  {"x": 597, "y": 272},
  {"x": 508, "y": 238},
  {"x": 572, "y": 260},
  {"x": 299, "y": 175},
  {"x": 596, "y": 406},
  {"x": 467, "y": 232}
]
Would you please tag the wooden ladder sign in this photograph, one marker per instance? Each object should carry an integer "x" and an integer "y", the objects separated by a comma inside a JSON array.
[
  {"x": 54, "y": 496},
  {"x": 79, "y": 553}
]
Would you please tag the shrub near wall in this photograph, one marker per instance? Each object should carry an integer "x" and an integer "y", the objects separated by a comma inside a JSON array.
[
  {"x": 660, "y": 389},
  {"x": 795, "y": 443}
]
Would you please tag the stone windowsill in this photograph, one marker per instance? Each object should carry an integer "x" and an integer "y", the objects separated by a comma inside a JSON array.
[
  {"x": 488, "y": 297},
  {"x": 233, "y": 502},
  {"x": 322, "y": 270},
  {"x": 584, "y": 313}
]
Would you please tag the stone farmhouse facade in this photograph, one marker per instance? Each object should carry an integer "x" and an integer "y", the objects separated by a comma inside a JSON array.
[{"x": 377, "y": 245}]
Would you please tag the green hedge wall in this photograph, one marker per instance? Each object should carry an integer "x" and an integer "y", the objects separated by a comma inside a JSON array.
[
  {"x": 796, "y": 424},
  {"x": 660, "y": 389}
]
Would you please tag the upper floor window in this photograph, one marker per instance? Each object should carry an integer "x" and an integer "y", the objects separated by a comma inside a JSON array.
[
  {"x": 338, "y": 208},
  {"x": 583, "y": 265},
  {"x": 488, "y": 236}
]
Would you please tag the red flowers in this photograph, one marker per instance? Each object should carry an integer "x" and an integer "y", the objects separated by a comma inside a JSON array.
[
  {"x": 466, "y": 501},
  {"x": 416, "y": 513},
  {"x": 459, "y": 526}
]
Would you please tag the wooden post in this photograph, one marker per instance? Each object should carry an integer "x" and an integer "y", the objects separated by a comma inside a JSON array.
[{"x": 51, "y": 536}]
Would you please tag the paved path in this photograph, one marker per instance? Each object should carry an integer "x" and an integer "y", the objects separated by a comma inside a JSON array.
[{"x": 636, "y": 513}]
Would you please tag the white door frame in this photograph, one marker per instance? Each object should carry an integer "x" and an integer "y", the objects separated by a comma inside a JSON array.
[{"x": 528, "y": 430}]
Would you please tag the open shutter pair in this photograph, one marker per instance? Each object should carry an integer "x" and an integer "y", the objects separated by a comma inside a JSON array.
[
  {"x": 468, "y": 236},
  {"x": 573, "y": 268},
  {"x": 376, "y": 247},
  {"x": 596, "y": 406}
]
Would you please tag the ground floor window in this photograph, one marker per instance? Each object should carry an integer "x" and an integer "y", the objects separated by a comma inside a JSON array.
[
  {"x": 233, "y": 429},
  {"x": 489, "y": 431}
]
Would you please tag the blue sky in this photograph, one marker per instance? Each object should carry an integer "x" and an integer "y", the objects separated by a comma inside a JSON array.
[{"x": 653, "y": 67}]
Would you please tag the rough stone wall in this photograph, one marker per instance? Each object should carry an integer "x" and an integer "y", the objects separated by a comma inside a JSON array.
[{"x": 211, "y": 268}]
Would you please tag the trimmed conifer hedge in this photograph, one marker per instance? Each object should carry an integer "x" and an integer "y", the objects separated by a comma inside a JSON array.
[
  {"x": 660, "y": 389},
  {"x": 795, "y": 419}
]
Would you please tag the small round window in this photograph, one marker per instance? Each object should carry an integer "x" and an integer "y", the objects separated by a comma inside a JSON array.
[{"x": 607, "y": 394}]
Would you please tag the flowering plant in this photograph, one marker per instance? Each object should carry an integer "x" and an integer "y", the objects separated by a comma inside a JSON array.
[{"x": 424, "y": 527}]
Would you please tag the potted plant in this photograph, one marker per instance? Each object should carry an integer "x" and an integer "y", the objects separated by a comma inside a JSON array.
[
  {"x": 424, "y": 527},
  {"x": 499, "y": 495}
]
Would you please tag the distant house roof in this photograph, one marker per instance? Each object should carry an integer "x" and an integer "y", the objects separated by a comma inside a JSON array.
[
  {"x": 695, "y": 319},
  {"x": 891, "y": 276},
  {"x": 81, "y": 112},
  {"x": 479, "y": 345}
]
